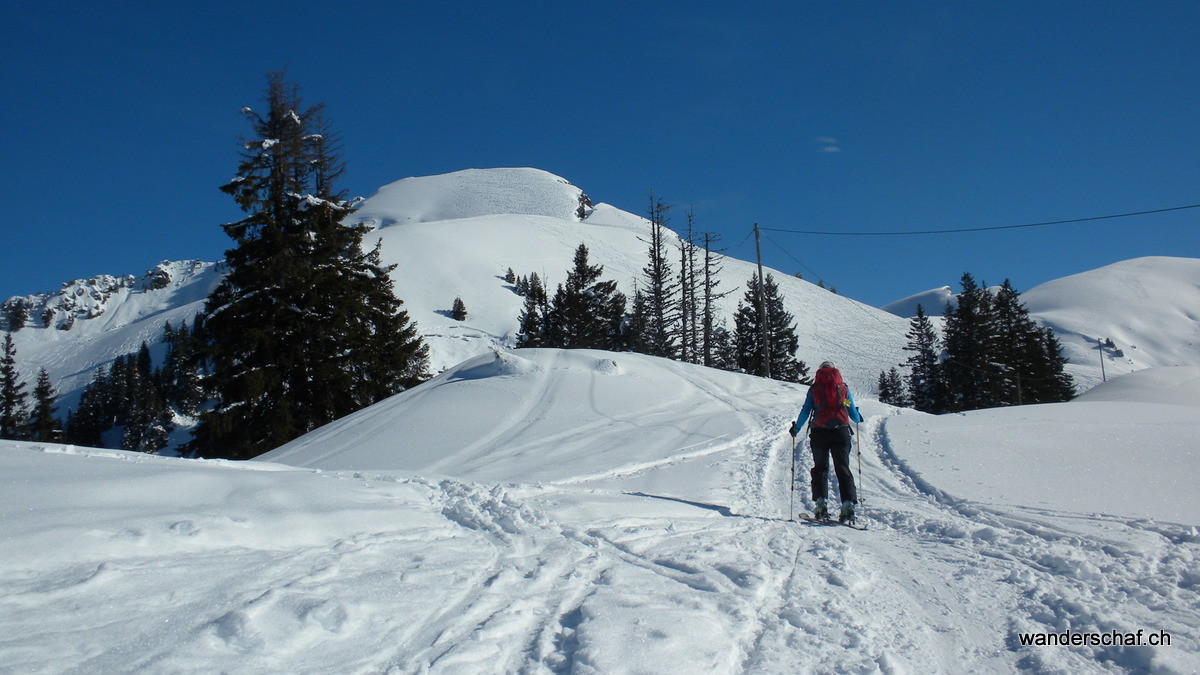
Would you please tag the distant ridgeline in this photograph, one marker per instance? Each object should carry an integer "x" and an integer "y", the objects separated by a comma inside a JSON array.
[{"x": 83, "y": 299}]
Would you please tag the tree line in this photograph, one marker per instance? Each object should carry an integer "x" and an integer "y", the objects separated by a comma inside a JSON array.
[
  {"x": 133, "y": 404},
  {"x": 991, "y": 353},
  {"x": 672, "y": 313}
]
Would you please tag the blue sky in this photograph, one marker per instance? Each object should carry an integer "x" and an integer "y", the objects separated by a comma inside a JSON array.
[{"x": 120, "y": 122}]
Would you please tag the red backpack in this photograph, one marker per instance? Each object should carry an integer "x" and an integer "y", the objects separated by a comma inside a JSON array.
[{"x": 831, "y": 399}]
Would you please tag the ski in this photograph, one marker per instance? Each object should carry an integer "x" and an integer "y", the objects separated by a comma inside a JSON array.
[{"x": 830, "y": 521}]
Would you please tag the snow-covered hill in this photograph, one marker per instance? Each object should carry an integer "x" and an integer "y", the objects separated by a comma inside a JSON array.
[
  {"x": 456, "y": 236},
  {"x": 551, "y": 511},
  {"x": 1148, "y": 307},
  {"x": 933, "y": 302}
]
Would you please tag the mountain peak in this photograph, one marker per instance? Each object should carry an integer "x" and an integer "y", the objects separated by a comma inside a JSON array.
[{"x": 472, "y": 193}]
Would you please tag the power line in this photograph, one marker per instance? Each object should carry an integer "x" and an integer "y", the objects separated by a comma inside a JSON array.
[
  {"x": 981, "y": 229},
  {"x": 859, "y": 307},
  {"x": 856, "y": 305}
]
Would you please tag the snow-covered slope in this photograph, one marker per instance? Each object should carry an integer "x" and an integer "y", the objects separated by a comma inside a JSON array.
[
  {"x": 610, "y": 513},
  {"x": 553, "y": 415},
  {"x": 1178, "y": 385},
  {"x": 1148, "y": 307},
  {"x": 90, "y": 322},
  {"x": 933, "y": 301},
  {"x": 456, "y": 236}
]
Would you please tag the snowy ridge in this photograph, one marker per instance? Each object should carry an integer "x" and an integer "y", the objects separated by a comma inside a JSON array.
[
  {"x": 471, "y": 193},
  {"x": 93, "y": 321},
  {"x": 79, "y": 302},
  {"x": 462, "y": 231},
  {"x": 460, "y": 234}
]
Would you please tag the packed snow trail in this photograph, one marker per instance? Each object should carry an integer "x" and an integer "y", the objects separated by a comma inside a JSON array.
[{"x": 630, "y": 551}]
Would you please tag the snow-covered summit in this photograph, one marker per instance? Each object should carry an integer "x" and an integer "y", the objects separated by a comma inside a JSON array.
[
  {"x": 472, "y": 193},
  {"x": 933, "y": 301}
]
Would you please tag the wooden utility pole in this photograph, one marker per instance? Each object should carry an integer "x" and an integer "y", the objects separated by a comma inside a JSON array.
[{"x": 762, "y": 308}]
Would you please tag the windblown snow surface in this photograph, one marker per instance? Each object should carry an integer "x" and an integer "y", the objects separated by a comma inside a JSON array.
[{"x": 554, "y": 511}]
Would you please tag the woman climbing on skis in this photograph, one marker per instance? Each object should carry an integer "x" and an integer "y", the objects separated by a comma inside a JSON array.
[{"x": 832, "y": 408}]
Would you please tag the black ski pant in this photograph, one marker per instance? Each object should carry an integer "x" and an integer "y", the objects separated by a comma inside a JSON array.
[{"x": 836, "y": 442}]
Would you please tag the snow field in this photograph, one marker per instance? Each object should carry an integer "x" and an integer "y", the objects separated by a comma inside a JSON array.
[{"x": 569, "y": 532}]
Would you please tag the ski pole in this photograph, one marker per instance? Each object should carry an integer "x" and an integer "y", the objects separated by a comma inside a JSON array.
[
  {"x": 792, "y": 485},
  {"x": 858, "y": 444}
]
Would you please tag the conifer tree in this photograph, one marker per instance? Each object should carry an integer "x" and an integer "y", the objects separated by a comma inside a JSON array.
[
  {"x": 88, "y": 422},
  {"x": 1055, "y": 383},
  {"x": 926, "y": 386},
  {"x": 16, "y": 314},
  {"x": 531, "y": 322},
  {"x": 13, "y": 413},
  {"x": 891, "y": 388},
  {"x": 458, "y": 310},
  {"x": 1029, "y": 355},
  {"x": 970, "y": 372},
  {"x": 661, "y": 336},
  {"x": 182, "y": 367},
  {"x": 781, "y": 334},
  {"x": 637, "y": 323},
  {"x": 689, "y": 294},
  {"x": 43, "y": 424},
  {"x": 723, "y": 348},
  {"x": 585, "y": 313},
  {"x": 537, "y": 288},
  {"x": 304, "y": 328},
  {"x": 710, "y": 347}
]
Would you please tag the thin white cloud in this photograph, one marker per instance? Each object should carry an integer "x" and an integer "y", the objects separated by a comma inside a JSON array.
[{"x": 827, "y": 144}]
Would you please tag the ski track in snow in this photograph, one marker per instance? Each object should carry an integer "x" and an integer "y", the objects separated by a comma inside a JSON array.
[{"x": 505, "y": 581}]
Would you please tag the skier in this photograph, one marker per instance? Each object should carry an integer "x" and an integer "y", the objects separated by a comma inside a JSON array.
[{"x": 831, "y": 405}]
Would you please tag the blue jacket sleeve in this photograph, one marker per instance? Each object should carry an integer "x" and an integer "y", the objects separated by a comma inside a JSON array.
[
  {"x": 855, "y": 416},
  {"x": 805, "y": 411}
]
